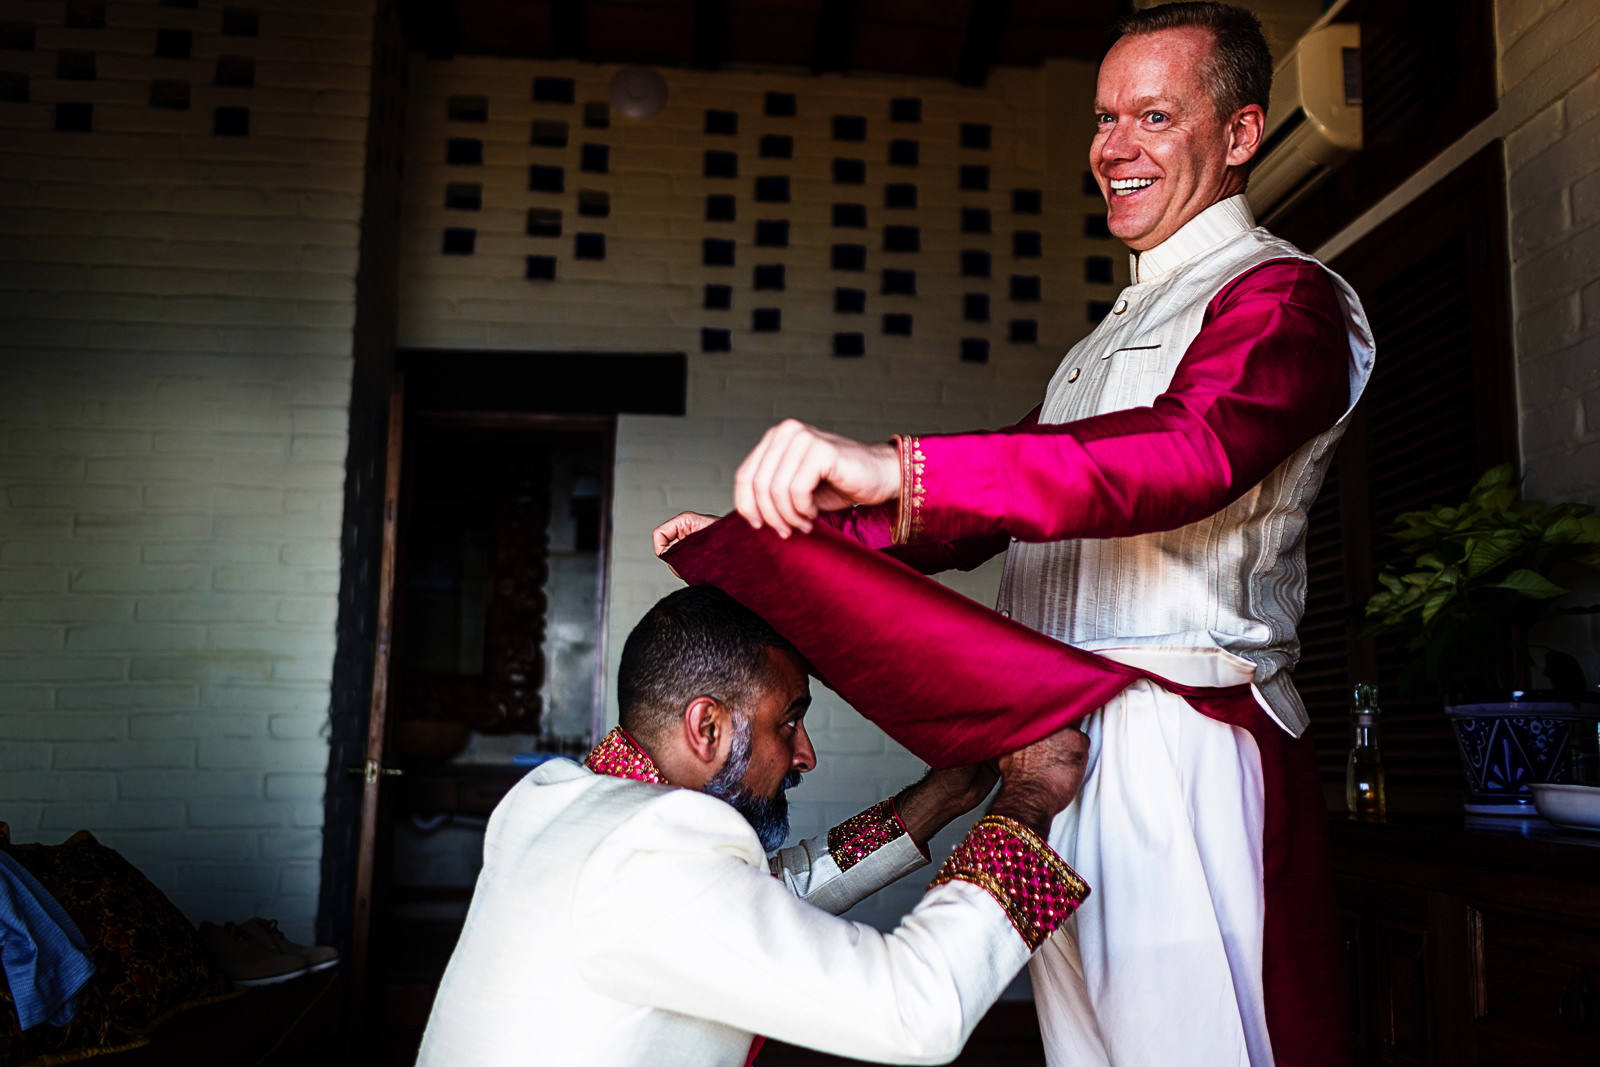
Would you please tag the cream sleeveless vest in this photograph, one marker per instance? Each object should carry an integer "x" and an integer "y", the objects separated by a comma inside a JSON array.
[{"x": 1235, "y": 581}]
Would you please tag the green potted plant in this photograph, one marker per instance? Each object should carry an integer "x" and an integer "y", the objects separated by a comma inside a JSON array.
[{"x": 1478, "y": 576}]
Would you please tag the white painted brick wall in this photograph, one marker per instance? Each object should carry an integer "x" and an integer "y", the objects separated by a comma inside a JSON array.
[
  {"x": 175, "y": 339},
  {"x": 1553, "y": 188},
  {"x": 647, "y": 295}
]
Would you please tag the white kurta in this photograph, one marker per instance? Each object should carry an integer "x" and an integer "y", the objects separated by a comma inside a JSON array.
[
  {"x": 618, "y": 923},
  {"x": 1163, "y": 965}
]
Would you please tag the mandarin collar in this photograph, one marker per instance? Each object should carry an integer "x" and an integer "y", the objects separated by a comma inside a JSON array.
[
  {"x": 620, "y": 756},
  {"x": 1216, "y": 224}
]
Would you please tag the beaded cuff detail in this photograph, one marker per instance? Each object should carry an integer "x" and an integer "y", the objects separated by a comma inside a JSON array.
[
  {"x": 620, "y": 756},
  {"x": 1024, "y": 875},
  {"x": 861, "y": 835},
  {"x": 908, "y": 524}
]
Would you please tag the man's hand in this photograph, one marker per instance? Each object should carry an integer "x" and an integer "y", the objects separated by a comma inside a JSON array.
[
  {"x": 929, "y": 805},
  {"x": 678, "y": 527},
  {"x": 798, "y": 471},
  {"x": 1042, "y": 779}
]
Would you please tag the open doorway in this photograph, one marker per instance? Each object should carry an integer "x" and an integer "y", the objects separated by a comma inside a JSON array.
[{"x": 499, "y": 657}]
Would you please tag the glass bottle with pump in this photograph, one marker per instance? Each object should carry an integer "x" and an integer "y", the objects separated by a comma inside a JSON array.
[{"x": 1363, "y": 780}]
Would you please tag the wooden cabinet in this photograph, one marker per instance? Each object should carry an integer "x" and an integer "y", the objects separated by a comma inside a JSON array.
[{"x": 1474, "y": 945}]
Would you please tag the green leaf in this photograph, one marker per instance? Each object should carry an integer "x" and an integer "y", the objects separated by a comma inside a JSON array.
[
  {"x": 1435, "y": 603},
  {"x": 1530, "y": 584}
]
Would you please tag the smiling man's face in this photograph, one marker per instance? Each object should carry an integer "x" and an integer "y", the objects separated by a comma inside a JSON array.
[{"x": 1160, "y": 154}]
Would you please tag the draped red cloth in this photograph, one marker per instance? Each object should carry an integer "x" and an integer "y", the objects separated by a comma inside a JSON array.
[{"x": 951, "y": 680}]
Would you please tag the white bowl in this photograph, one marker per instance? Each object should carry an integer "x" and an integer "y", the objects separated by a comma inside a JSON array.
[{"x": 1569, "y": 805}]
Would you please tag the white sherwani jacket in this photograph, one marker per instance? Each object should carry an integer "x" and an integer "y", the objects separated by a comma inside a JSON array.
[{"x": 621, "y": 922}]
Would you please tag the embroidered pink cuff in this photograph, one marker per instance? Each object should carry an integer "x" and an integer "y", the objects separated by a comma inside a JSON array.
[
  {"x": 863, "y": 834},
  {"x": 908, "y": 524},
  {"x": 619, "y": 756},
  {"x": 1021, "y": 872}
]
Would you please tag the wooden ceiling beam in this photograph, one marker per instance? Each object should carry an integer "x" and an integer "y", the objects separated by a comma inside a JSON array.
[
  {"x": 835, "y": 41},
  {"x": 980, "y": 47},
  {"x": 710, "y": 44},
  {"x": 429, "y": 26},
  {"x": 566, "y": 29}
]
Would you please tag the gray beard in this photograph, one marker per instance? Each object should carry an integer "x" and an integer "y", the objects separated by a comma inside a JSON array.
[{"x": 767, "y": 816}]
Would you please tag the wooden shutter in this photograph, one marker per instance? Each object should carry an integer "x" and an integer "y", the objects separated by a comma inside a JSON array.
[{"x": 1438, "y": 412}]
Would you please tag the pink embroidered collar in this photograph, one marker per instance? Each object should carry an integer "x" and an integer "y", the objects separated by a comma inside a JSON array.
[{"x": 620, "y": 756}]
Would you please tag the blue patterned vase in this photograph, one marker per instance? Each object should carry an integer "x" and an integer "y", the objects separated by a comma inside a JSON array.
[{"x": 1506, "y": 745}]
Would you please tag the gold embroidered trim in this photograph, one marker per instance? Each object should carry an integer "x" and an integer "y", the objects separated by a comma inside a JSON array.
[
  {"x": 862, "y": 834},
  {"x": 620, "y": 756},
  {"x": 908, "y": 523},
  {"x": 1014, "y": 865}
]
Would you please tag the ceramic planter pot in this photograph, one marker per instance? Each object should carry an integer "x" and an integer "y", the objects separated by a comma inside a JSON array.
[{"x": 1507, "y": 745}]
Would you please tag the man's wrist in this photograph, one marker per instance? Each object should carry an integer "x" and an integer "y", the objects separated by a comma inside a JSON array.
[
  {"x": 925, "y": 810},
  {"x": 1018, "y": 804}
]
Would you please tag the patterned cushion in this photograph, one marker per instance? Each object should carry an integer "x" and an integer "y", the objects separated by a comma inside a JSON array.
[{"x": 150, "y": 962}]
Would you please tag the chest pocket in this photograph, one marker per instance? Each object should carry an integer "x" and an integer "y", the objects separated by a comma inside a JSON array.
[{"x": 1135, "y": 375}]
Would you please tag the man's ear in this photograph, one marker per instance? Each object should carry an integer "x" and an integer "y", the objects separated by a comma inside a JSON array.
[
  {"x": 705, "y": 721},
  {"x": 1245, "y": 132}
]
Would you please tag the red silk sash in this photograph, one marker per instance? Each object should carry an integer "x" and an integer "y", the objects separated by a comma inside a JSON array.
[{"x": 953, "y": 681}]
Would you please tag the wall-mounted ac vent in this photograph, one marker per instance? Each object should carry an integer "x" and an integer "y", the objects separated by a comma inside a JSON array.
[{"x": 1314, "y": 120}]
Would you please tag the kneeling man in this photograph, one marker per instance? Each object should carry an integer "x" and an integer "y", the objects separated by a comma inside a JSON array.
[{"x": 628, "y": 913}]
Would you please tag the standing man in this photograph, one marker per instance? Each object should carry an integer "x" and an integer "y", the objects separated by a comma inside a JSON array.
[{"x": 1154, "y": 509}]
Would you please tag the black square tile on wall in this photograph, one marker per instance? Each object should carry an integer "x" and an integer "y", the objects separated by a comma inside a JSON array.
[
  {"x": 905, "y": 109},
  {"x": 974, "y": 178},
  {"x": 902, "y": 239},
  {"x": 897, "y": 324},
  {"x": 540, "y": 268},
  {"x": 554, "y": 90},
  {"x": 899, "y": 283},
  {"x": 1024, "y": 332},
  {"x": 772, "y": 233},
  {"x": 544, "y": 222},
  {"x": 850, "y": 345},
  {"x": 975, "y": 135},
  {"x": 589, "y": 246},
  {"x": 720, "y": 207},
  {"x": 718, "y": 298},
  {"x": 458, "y": 196},
  {"x": 780, "y": 105},
  {"x": 849, "y": 257},
  {"x": 849, "y": 301},
  {"x": 1025, "y": 288},
  {"x": 14, "y": 89},
  {"x": 549, "y": 133},
  {"x": 542, "y": 179},
  {"x": 595, "y": 159},
  {"x": 74, "y": 117},
  {"x": 460, "y": 241},
  {"x": 716, "y": 252},
  {"x": 721, "y": 122},
  {"x": 231, "y": 122},
  {"x": 903, "y": 153},
  {"x": 899, "y": 195},
  {"x": 850, "y": 216},
  {"x": 777, "y": 146},
  {"x": 772, "y": 189},
  {"x": 464, "y": 152},
  {"x": 849, "y": 128},
  {"x": 174, "y": 44},
  {"x": 169, "y": 93},
  {"x": 849, "y": 171},
  {"x": 975, "y": 220},
  {"x": 766, "y": 320},
  {"x": 974, "y": 350},
  {"x": 769, "y": 276},
  {"x": 241, "y": 22},
  {"x": 721, "y": 164},
  {"x": 715, "y": 340}
]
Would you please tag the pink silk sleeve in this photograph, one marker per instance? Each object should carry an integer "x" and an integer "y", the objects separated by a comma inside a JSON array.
[
  {"x": 1268, "y": 371},
  {"x": 874, "y": 527}
]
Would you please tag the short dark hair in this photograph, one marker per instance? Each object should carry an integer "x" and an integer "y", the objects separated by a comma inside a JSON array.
[
  {"x": 1238, "y": 72},
  {"x": 696, "y": 642}
]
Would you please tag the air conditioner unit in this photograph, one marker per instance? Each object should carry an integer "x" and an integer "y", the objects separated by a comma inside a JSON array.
[{"x": 1314, "y": 119}]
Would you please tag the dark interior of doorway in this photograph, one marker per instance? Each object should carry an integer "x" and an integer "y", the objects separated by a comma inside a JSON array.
[{"x": 498, "y": 657}]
